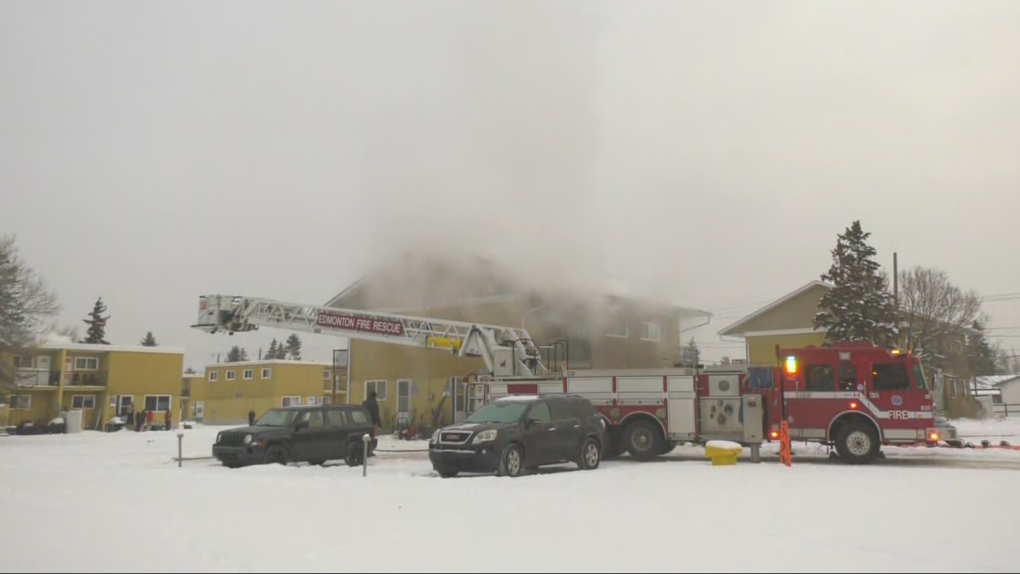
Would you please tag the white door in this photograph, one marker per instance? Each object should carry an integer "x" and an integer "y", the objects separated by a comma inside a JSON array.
[
  {"x": 403, "y": 401},
  {"x": 199, "y": 410}
]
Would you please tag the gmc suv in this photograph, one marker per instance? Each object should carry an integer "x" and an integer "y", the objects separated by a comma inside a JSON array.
[
  {"x": 518, "y": 433},
  {"x": 311, "y": 434}
]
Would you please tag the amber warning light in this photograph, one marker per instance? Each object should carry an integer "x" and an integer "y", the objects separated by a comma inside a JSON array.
[
  {"x": 791, "y": 365},
  {"x": 934, "y": 436},
  {"x": 854, "y": 406}
]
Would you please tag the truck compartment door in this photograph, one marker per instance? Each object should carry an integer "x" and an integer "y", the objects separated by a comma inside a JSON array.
[{"x": 682, "y": 418}]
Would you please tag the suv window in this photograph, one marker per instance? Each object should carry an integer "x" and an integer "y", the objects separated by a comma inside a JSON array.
[
  {"x": 336, "y": 418},
  {"x": 540, "y": 412},
  {"x": 584, "y": 408},
  {"x": 359, "y": 417},
  {"x": 560, "y": 409},
  {"x": 314, "y": 419}
]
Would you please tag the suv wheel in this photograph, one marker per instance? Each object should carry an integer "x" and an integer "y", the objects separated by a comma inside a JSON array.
[
  {"x": 591, "y": 455},
  {"x": 511, "y": 462},
  {"x": 277, "y": 455},
  {"x": 355, "y": 455}
]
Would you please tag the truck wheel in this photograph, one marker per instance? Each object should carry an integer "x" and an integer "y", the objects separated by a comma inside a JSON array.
[
  {"x": 511, "y": 462},
  {"x": 670, "y": 447},
  {"x": 857, "y": 443},
  {"x": 277, "y": 455},
  {"x": 591, "y": 455},
  {"x": 643, "y": 439}
]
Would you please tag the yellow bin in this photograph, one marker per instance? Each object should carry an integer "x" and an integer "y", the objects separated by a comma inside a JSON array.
[{"x": 723, "y": 452}]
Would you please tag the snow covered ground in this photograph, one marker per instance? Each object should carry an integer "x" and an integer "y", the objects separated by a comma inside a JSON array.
[{"x": 118, "y": 503}]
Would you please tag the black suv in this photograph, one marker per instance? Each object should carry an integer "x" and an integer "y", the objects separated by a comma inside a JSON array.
[
  {"x": 312, "y": 434},
  {"x": 518, "y": 433}
]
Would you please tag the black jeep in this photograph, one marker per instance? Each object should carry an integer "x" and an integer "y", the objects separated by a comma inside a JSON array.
[
  {"x": 311, "y": 434},
  {"x": 517, "y": 433}
]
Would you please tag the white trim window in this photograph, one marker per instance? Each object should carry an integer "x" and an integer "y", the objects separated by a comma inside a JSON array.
[
  {"x": 158, "y": 403},
  {"x": 378, "y": 386},
  {"x": 21, "y": 402},
  {"x": 267, "y": 373},
  {"x": 327, "y": 375},
  {"x": 83, "y": 402},
  {"x": 213, "y": 376},
  {"x": 249, "y": 374},
  {"x": 24, "y": 361},
  {"x": 313, "y": 401},
  {"x": 651, "y": 331},
  {"x": 86, "y": 363},
  {"x": 618, "y": 328},
  {"x": 231, "y": 375},
  {"x": 290, "y": 402}
]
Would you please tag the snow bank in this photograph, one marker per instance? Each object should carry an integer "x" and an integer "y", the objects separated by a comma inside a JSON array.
[{"x": 697, "y": 518}]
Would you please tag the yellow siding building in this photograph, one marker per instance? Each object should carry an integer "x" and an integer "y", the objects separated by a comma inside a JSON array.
[
  {"x": 99, "y": 380},
  {"x": 230, "y": 390},
  {"x": 789, "y": 323},
  {"x": 192, "y": 396},
  {"x": 416, "y": 385}
]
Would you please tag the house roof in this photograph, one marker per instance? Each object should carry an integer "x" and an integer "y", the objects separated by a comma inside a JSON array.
[
  {"x": 58, "y": 342},
  {"x": 266, "y": 363},
  {"x": 994, "y": 381},
  {"x": 733, "y": 329},
  {"x": 507, "y": 294}
]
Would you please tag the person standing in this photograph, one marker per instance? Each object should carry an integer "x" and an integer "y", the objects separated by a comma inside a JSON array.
[
  {"x": 372, "y": 406},
  {"x": 251, "y": 418},
  {"x": 167, "y": 421}
]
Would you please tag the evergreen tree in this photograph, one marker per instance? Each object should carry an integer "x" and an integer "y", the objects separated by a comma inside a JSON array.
[
  {"x": 293, "y": 347},
  {"x": 981, "y": 354},
  {"x": 859, "y": 307},
  {"x": 190, "y": 371},
  {"x": 237, "y": 355},
  {"x": 148, "y": 340},
  {"x": 96, "y": 334},
  {"x": 691, "y": 354},
  {"x": 271, "y": 353}
]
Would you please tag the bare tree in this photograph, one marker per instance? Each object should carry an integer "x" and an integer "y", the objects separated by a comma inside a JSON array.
[
  {"x": 935, "y": 310},
  {"x": 25, "y": 303}
]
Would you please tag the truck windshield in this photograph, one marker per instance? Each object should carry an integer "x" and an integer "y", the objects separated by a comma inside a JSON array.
[
  {"x": 498, "y": 413},
  {"x": 277, "y": 418},
  {"x": 919, "y": 377}
]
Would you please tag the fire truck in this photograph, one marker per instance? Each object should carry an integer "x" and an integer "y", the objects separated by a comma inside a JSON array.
[{"x": 853, "y": 396}]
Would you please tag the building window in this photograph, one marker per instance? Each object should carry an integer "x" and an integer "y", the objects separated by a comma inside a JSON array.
[
  {"x": 21, "y": 402},
  {"x": 24, "y": 362},
  {"x": 326, "y": 375},
  {"x": 651, "y": 331},
  {"x": 249, "y": 374},
  {"x": 157, "y": 403},
  {"x": 231, "y": 375},
  {"x": 403, "y": 401},
  {"x": 327, "y": 400},
  {"x": 213, "y": 375},
  {"x": 86, "y": 363},
  {"x": 267, "y": 373},
  {"x": 83, "y": 402},
  {"x": 291, "y": 402},
  {"x": 618, "y": 328},
  {"x": 378, "y": 386},
  {"x": 313, "y": 401}
]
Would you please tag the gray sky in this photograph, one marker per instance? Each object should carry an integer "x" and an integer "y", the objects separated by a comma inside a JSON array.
[{"x": 707, "y": 153}]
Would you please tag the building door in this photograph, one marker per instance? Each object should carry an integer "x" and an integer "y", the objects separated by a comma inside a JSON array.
[
  {"x": 403, "y": 403},
  {"x": 123, "y": 402},
  {"x": 199, "y": 411}
]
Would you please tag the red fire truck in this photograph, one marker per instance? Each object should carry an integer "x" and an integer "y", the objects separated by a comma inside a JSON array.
[{"x": 853, "y": 396}]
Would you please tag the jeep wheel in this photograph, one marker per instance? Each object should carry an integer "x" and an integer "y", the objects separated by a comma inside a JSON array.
[
  {"x": 857, "y": 443},
  {"x": 277, "y": 455},
  {"x": 591, "y": 455},
  {"x": 447, "y": 473},
  {"x": 511, "y": 462},
  {"x": 355, "y": 455}
]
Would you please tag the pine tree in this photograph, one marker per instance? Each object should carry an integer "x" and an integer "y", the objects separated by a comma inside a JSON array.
[
  {"x": 981, "y": 354},
  {"x": 237, "y": 355},
  {"x": 148, "y": 340},
  {"x": 96, "y": 334},
  {"x": 293, "y": 347},
  {"x": 691, "y": 353},
  {"x": 190, "y": 371},
  {"x": 859, "y": 307},
  {"x": 271, "y": 353}
]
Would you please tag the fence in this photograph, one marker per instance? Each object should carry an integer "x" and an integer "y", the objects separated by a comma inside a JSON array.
[{"x": 1006, "y": 410}]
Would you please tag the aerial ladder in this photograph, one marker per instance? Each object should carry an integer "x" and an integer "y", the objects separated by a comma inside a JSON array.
[{"x": 508, "y": 352}]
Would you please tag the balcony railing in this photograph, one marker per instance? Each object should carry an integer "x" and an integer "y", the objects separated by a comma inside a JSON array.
[
  {"x": 79, "y": 379},
  {"x": 37, "y": 378}
]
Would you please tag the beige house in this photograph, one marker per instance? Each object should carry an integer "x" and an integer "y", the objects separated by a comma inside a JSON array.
[
  {"x": 789, "y": 323},
  {"x": 596, "y": 331}
]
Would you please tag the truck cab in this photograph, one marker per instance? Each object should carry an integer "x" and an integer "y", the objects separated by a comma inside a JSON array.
[{"x": 855, "y": 396}]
